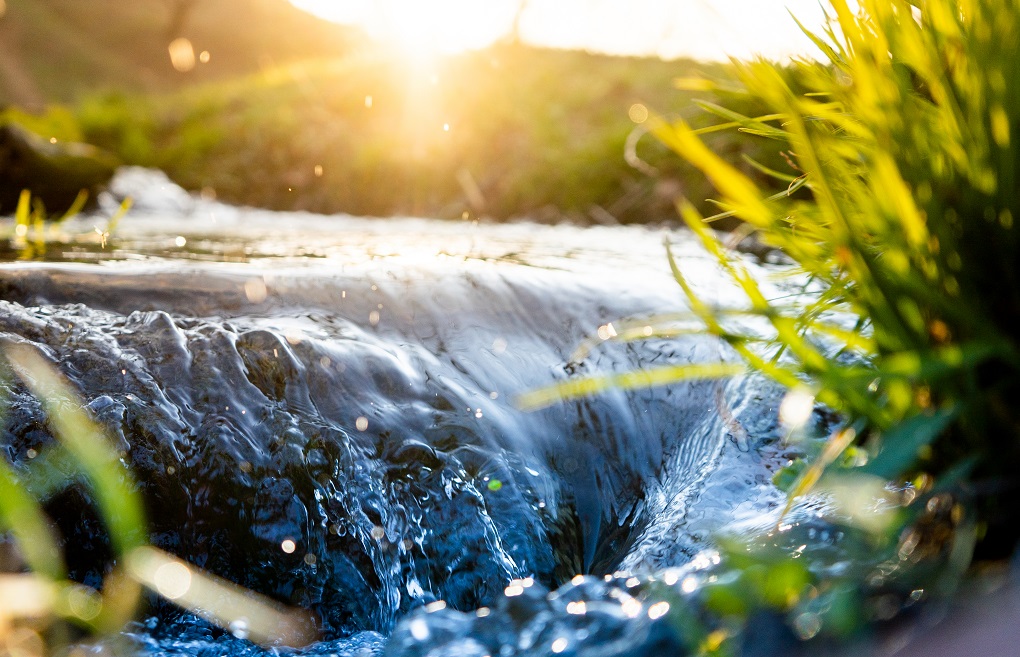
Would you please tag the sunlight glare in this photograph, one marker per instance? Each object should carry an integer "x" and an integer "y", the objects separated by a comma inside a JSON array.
[{"x": 423, "y": 29}]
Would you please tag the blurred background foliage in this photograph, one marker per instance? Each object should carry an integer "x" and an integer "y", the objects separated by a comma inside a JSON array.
[{"x": 285, "y": 111}]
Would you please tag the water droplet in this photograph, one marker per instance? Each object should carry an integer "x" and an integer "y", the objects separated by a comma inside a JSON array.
[
  {"x": 288, "y": 546},
  {"x": 180, "y": 241},
  {"x": 478, "y": 413},
  {"x": 513, "y": 590},
  {"x": 658, "y": 610},
  {"x": 373, "y": 317},
  {"x": 368, "y": 102},
  {"x": 378, "y": 533},
  {"x": 433, "y": 607},
  {"x": 205, "y": 56},
  {"x": 577, "y": 608},
  {"x": 256, "y": 291},
  {"x": 493, "y": 395},
  {"x": 631, "y": 608},
  {"x": 239, "y": 628},
  {"x": 495, "y": 485},
  {"x": 499, "y": 345},
  {"x": 482, "y": 612},
  {"x": 638, "y": 113},
  {"x": 361, "y": 424},
  {"x": 318, "y": 171},
  {"x": 31, "y": 453},
  {"x": 419, "y": 630},
  {"x": 689, "y": 585},
  {"x": 807, "y": 625},
  {"x": 310, "y": 559},
  {"x": 559, "y": 645},
  {"x": 173, "y": 580},
  {"x": 795, "y": 409},
  {"x": 182, "y": 54}
]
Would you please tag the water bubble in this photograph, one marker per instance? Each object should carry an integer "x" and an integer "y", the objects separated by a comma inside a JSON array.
[
  {"x": 181, "y": 241},
  {"x": 310, "y": 559},
  {"x": 288, "y": 546},
  {"x": 493, "y": 395},
  {"x": 478, "y": 413},
  {"x": 689, "y": 585},
  {"x": 368, "y": 102},
  {"x": 373, "y": 317},
  {"x": 378, "y": 533},
  {"x": 495, "y": 484},
  {"x": 559, "y": 645},
  {"x": 361, "y": 424},
  {"x": 499, "y": 345},
  {"x": 513, "y": 590},
  {"x": 31, "y": 453},
  {"x": 318, "y": 171},
  {"x": 433, "y": 607},
  {"x": 482, "y": 612},
  {"x": 205, "y": 56}
]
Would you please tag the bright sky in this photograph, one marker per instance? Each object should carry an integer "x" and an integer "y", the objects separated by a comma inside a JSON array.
[{"x": 708, "y": 29}]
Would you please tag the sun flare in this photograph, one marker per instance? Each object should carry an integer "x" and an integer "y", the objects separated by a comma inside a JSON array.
[{"x": 438, "y": 27}]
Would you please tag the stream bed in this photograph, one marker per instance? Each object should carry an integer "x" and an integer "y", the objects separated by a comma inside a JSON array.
[{"x": 322, "y": 410}]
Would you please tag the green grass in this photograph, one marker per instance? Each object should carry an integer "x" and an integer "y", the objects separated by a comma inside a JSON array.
[
  {"x": 536, "y": 133},
  {"x": 904, "y": 142},
  {"x": 69, "y": 48},
  {"x": 898, "y": 204}
]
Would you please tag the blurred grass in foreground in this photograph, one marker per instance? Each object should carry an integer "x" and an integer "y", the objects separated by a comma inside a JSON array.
[{"x": 903, "y": 153}]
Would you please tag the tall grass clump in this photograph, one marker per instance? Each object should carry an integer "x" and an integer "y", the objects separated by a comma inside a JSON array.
[
  {"x": 897, "y": 208},
  {"x": 904, "y": 154}
]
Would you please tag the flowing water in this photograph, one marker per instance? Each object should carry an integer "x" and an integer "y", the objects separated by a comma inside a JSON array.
[{"x": 321, "y": 409}]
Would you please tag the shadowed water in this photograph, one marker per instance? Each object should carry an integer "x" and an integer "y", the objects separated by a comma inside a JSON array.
[{"x": 322, "y": 410}]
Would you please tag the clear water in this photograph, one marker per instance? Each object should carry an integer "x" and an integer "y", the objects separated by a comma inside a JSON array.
[{"x": 321, "y": 409}]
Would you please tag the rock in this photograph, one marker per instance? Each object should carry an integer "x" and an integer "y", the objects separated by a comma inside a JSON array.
[{"x": 54, "y": 172}]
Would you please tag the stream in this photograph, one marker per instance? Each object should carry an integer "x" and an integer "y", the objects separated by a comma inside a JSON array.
[{"x": 322, "y": 410}]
